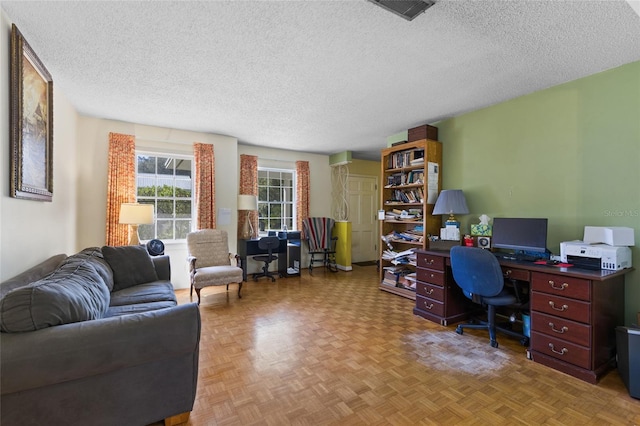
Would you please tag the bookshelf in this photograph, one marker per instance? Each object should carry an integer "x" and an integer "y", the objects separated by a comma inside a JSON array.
[{"x": 411, "y": 180}]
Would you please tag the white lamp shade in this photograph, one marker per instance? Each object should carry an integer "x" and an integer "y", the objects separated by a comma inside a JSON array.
[
  {"x": 136, "y": 214},
  {"x": 451, "y": 201},
  {"x": 247, "y": 202}
]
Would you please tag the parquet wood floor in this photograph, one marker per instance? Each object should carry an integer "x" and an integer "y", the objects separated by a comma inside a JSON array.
[{"x": 332, "y": 349}]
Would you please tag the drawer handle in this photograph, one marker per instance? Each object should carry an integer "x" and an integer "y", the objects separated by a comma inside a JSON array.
[
  {"x": 430, "y": 261},
  {"x": 432, "y": 276},
  {"x": 429, "y": 292},
  {"x": 561, "y": 352},
  {"x": 507, "y": 272},
  {"x": 561, "y": 309},
  {"x": 553, "y": 285},
  {"x": 561, "y": 331},
  {"x": 429, "y": 306}
]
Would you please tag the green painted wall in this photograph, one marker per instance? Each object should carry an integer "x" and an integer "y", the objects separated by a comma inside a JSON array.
[{"x": 570, "y": 153}]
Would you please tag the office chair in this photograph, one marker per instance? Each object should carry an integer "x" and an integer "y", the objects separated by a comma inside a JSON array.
[
  {"x": 266, "y": 243},
  {"x": 477, "y": 272},
  {"x": 318, "y": 235}
]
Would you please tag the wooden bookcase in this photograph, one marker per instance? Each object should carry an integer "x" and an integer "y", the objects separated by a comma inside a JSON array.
[{"x": 411, "y": 178}]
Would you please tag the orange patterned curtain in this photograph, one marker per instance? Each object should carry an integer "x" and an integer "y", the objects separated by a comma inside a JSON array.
[
  {"x": 121, "y": 185},
  {"x": 248, "y": 186},
  {"x": 302, "y": 192},
  {"x": 205, "y": 167}
]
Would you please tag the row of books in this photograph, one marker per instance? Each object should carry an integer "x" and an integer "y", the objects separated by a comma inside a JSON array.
[
  {"x": 414, "y": 195},
  {"x": 413, "y": 177},
  {"x": 408, "y": 235},
  {"x": 396, "y": 214},
  {"x": 406, "y": 257},
  {"x": 401, "y": 277},
  {"x": 405, "y": 159}
]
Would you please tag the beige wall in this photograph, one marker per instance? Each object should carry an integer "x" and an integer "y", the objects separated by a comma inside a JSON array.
[
  {"x": 32, "y": 231},
  {"x": 93, "y": 134},
  {"x": 319, "y": 170}
]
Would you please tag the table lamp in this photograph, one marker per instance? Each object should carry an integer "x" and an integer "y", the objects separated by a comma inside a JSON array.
[
  {"x": 135, "y": 214},
  {"x": 451, "y": 202},
  {"x": 248, "y": 203}
]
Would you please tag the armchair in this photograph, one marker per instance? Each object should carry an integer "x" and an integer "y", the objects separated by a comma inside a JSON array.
[
  {"x": 320, "y": 242},
  {"x": 210, "y": 261},
  {"x": 477, "y": 272}
]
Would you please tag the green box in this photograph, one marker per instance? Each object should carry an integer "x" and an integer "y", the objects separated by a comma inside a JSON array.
[{"x": 481, "y": 230}]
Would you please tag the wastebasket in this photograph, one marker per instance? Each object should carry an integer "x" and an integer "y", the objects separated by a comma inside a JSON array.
[{"x": 628, "y": 345}]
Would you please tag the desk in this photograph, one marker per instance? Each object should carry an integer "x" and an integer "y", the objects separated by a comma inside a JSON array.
[
  {"x": 247, "y": 248},
  {"x": 574, "y": 312}
]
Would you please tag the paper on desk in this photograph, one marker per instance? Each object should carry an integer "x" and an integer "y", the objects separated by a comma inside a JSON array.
[{"x": 432, "y": 182}]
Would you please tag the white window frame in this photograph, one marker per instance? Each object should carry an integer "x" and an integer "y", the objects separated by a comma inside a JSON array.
[
  {"x": 292, "y": 201},
  {"x": 192, "y": 219}
]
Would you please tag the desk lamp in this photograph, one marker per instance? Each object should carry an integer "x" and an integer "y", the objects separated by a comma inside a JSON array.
[
  {"x": 135, "y": 214},
  {"x": 248, "y": 203},
  {"x": 451, "y": 201}
]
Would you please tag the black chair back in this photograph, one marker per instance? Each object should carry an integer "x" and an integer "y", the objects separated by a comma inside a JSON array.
[{"x": 269, "y": 244}]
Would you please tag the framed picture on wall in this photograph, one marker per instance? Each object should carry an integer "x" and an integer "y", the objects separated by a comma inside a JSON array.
[{"x": 31, "y": 118}]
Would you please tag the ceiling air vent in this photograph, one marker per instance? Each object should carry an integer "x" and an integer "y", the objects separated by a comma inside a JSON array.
[{"x": 407, "y": 9}]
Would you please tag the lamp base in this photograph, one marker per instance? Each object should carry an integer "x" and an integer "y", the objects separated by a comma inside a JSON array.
[
  {"x": 134, "y": 240},
  {"x": 247, "y": 229}
]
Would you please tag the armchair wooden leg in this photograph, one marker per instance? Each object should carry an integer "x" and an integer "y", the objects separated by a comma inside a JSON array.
[
  {"x": 198, "y": 294},
  {"x": 178, "y": 419},
  {"x": 239, "y": 288}
]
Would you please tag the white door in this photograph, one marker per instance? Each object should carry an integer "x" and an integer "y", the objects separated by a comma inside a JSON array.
[{"x": 362, "y": 193}]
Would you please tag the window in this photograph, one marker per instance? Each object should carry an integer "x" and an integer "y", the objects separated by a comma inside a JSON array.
[
  {"x": 166, "y": 182},
  {"x": 276, "y": 199}
]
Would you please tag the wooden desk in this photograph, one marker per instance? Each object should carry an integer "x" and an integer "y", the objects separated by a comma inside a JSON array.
[
  {"x": 574, "y": 312},
  {"x": 248, "y": 248}
]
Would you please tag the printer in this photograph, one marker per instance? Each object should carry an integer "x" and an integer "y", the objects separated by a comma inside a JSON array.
[{"x": 601, "y": 248}]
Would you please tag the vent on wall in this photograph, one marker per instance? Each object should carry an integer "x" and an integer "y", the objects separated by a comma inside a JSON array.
[{"x": 407, "y": 9}]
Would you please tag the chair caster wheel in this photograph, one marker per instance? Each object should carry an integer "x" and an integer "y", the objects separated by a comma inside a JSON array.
[
  {"x": 494, "y": 344},
  {"x": 459, "y": 330}
]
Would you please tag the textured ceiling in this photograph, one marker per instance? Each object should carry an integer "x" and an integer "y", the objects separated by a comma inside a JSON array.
[{"x": 316, "y": 76}]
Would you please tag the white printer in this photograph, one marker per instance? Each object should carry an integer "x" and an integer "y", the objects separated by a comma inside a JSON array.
[
  {"x": 601, "y": 248},
  {"x": 595, "y": 256}
]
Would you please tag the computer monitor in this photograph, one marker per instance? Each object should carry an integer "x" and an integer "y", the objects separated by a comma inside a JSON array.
[{"x": 520, "y": 234}]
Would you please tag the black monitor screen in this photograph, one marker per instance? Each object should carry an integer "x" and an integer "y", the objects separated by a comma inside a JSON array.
[{"x": 520, "y": 234}]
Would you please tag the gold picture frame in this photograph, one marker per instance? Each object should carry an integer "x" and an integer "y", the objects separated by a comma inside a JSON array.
[{"x": 31, "y": 118}]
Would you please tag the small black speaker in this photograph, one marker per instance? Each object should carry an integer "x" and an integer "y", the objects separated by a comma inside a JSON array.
[{"x": 484, "y": 242}]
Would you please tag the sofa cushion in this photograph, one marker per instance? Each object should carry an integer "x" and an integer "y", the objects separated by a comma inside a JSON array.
[
  {"x": 95, "y": 256},
  {"x": 74, "y": 292},
  {"x": 131, "y": 265},
  {"x": 32, "y": 274},
  {"x": 115, "y": 311},
  {"x": 155, "y": 291}
]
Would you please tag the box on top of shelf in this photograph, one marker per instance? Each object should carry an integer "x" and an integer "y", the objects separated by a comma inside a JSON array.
[{"x": 423, "y": 132}]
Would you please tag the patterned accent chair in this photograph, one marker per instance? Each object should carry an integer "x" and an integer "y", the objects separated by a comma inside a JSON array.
[
  {"x": 210, "y": 261},
  {"x": 318, "y": 235}
]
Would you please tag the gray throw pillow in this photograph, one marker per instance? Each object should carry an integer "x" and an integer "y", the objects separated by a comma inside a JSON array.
[
  {"x": 72, "y": 293},
  {"x": 131, "y": 265}
]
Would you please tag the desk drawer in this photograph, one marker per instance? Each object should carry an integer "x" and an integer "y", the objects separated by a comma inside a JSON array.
[
  {"x": 560, "y": 328},
  {"x": 560, "y": 349},
  {"x": 430, "y": 261},
  {"x": 561, "y": 307},
  {"x": 514, "y": 273},
  {"x": 431, "y": 291},
  {"x": 430, "y": 276},
  {"x": 429, "y": 305},
  {"x": 562, "y": 286}
]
